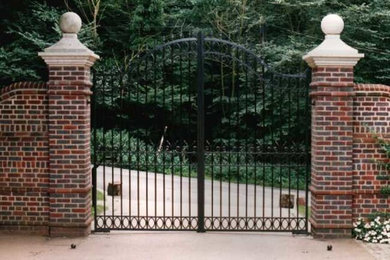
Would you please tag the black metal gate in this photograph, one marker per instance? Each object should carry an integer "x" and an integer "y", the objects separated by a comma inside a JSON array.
[{"x": 200, "y": 134}]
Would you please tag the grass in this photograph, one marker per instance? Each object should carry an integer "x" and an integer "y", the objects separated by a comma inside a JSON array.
[
  {"x": 99, "y": 195},
  {"x": 99, "y": 208},
  {"x": 302, "y": 210}
]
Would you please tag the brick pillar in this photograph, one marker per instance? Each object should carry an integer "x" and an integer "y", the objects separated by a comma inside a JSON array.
[
  {"x": 332, "y": 91},
  {"x": 69, "y": 63}
]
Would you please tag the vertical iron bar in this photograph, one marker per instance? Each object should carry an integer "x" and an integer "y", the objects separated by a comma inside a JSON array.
[
  {"x": 263, "y": 151},
  {"x": 121, "y": 149},
  {"x": 272, "y": 150},
  {"x": 181, "y": 146},
  {"x": 188, "y": 127},
  {"x": 280, "y": 151},
  {"x": 155, "y": 151},
  {"x": 289, "y": 150},
  {"x": 94, "y": 147},
  {"x": 200, "y": 128},
  {"x": 221, "y": 147},
  {"x": 162, "y": 145},
  {"x": 173, "y": 150},
  {"x": 146, "y": 87},
  {"x": 137, "y": 112},
  {"x": 221, "y": 152},
  {"x": 129, "y": 147},
  {"x": 299, "y": 148},
  {"x": 113, "y": 154},
  {"x": 212, "y": 181},
  {"x": 246, "y": 140},
  {"x": 307, "y": 145},
  {"x": 104, "y": 151},
  {"x": 254, "y": 140},
  {"x": 237, "y": 126},
  {"x": 230, "y": 111}
]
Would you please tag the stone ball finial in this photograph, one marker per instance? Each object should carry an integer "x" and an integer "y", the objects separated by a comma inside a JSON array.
[
  {"x": 70, "y": 23},
  {"x": 332, "y": 24}
]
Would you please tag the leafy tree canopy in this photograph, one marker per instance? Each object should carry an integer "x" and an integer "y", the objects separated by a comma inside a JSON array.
[{"x": 281, "y": 31}]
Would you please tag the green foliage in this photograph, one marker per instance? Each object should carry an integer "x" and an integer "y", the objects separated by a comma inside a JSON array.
[
  {"x": 383, "y": 177},
  {"x": 10, "y": 66},
  {"x": 384, "y": 164},
  {"x": 382, "y": 215},
  {"x": 279, "y": 30},
  {"x": 119, "y": 149},
  {"x": 32, "y": 30},
  {"x": 302, "y": 210},
  {"x": 99, "y": 195},
  {"x": 30, "y": 33},
  {"x": 385, "y": 190}
]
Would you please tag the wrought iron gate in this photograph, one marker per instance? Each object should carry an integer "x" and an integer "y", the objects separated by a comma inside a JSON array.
[{"x": 200, "y": 134}]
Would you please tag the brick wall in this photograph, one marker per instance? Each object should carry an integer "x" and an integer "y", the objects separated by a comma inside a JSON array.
[
  {"x": 344, "y": 170},
  {"x": 24, "y": 169},
  {"x": 45, "y": 170},
  {"x": 371, "y": 117}
]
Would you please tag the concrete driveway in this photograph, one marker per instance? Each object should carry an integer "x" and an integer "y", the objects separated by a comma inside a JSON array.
[
  {"x": 182, "y": 245},
  {"x": 143, "y": 194}
]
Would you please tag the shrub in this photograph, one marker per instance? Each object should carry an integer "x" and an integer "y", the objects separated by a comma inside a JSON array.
[{"x": 375, "y": 231}]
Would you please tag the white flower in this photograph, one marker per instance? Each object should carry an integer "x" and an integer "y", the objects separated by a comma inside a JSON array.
[{"x": 374, "y": 231}]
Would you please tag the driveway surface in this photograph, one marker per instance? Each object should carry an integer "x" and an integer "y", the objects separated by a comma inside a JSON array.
[{"x": 183, "y": 245}]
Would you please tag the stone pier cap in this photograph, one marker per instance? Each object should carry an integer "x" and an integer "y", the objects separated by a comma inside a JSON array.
[
  {"x": 332, "y": 52},
  {"x": 69, "y": 51}
]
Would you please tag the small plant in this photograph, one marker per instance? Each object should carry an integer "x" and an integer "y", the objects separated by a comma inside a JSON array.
[
  {"x": 385, "y": 165},
  {"x": 385, "y": 190},
  {"x": 383, "y": 177},
  {"x": 383, "y": 215},
  {"x": 375, "y": 231}
]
